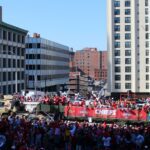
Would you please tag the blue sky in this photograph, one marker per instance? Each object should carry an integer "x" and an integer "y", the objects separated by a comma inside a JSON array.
[{"x": 75, "y": 23}]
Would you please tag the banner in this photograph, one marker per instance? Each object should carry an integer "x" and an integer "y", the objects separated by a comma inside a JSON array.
[{"x": 126, "y": 114}]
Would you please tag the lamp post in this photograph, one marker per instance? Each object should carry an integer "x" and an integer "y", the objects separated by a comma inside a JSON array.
[{"x": 16, "y": 77}]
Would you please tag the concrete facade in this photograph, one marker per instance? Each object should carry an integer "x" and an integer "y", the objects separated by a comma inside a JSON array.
[
  {"x": 12, "y": 51},
  {"x": 47, "y": 64},
  {"x": 128, "y": 46}
]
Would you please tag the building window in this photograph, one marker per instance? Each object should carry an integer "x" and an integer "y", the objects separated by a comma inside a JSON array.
[
  {"x": 146, "y": 20},
  {"x": 146, "y": 11},
  {"x": 127, "y": 3},
  {"x": 127, "y": 77},
  {"x": 127, "y": 85},
  {"x": 147, "y": 77},
  {"x": 147, "y": 43},
  {"x": 117, "y": 20},
  {"x": 147, "y": 35},
  {"x": 146, "y": 27},
  {"x": 117, "y": 60},
  {"x": 146, "y": 2},
  {"x": 127, "y": 52},
  {"x": 147, "y": 60},
  {"x": 127, "y": 28},
  {"x": 127, "y": 60},
  {"x": 4, "y": 76},
  {"x": 147, "y": 68},
  {"x": 117, "y": 28},
  {"x": 4, "y": 35},
  {"x": 128, "y": 36},
  {"x": 117, "y": 44},
  {"x": 9, "y": 63},
  {"x": 117, "y": 4},
  {"x": 14, "y": 63},
  {"x": 117, "y": 77},
  {"x": 9, "y": 36},
  {"x": 23, "y": 39},
  {"x": 38, "y": 45},
  {"x": 127, "y": 44},
  {"x": 117, "y": 85},
  {"x": 9, "y": 76},
  {"x": 117, "y": 36},
  {"x": 127, "y": 11},
  {"x": 14, "y": 37},
  {"x": 147, "y": 85},
  {"x": 147, "y": 52},
  {"x": 18, "y": 38},
  {"x": 4, "y": 63},
  {"x": 117, "y": 52},
  {"x": 117, "y": 69},
  {"x": 127, "y": 69},
  {"x": 117, "y": 12},
  {"x": 127, "y": 19},
  {"x": 30, "y": 45}
]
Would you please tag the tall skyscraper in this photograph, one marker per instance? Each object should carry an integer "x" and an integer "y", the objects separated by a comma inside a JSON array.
[{"x": 128, "y": 46}]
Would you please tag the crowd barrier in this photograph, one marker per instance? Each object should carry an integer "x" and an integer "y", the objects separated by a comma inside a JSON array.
[{"x": 106, "y": 113}]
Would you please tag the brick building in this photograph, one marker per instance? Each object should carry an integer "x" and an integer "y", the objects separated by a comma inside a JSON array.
[
  {"x": 92, "y": 63},
  {"x": 87, "y": 60}
]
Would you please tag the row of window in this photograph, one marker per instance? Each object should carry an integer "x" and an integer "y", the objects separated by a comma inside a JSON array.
[
  {"x": 46, "y": 57},
  {"x": 11, "y": 36},
  {"x": 47, "y": 47},
  {"x": 128, "y": 85},
  {"x": 127, "y": 20},
  {"x": 128, "y": 77},
  {"x": 47, "y": 77},
  {"x": 127, "y": 36},
  {"x": 128, "y": 27},
  {"x": 128, "y": 60},
  {"x": 11, "y": 76},
  {"x": 9, "y": 89},
  {"x": 128, "y": 44},
  {"x": 46, "y": 67},
  {"x": 128, "y": 69},
  {"x": 12, "y": 63},
  {"x": 126, "y": 12},
  {"x": 126, "y": 4},
  {"x": 12, "y": 50},
  {"x": 128, "y": 52}
]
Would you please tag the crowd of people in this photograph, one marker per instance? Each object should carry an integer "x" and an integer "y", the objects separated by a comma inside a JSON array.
[
  {"x": 21, "y": 133},
  {"x": 92, "y": 102}
]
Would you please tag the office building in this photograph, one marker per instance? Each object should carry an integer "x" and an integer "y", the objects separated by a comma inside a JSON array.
[
  {"x": 12, "y": 51},
  {"x": 129, "y": 46},
  {"x": 47, "y": 64},
  {"x": 87, "y": 60}
]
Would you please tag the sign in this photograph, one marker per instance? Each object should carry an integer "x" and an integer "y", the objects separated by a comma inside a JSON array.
[{"x": 127, "y": 114}]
